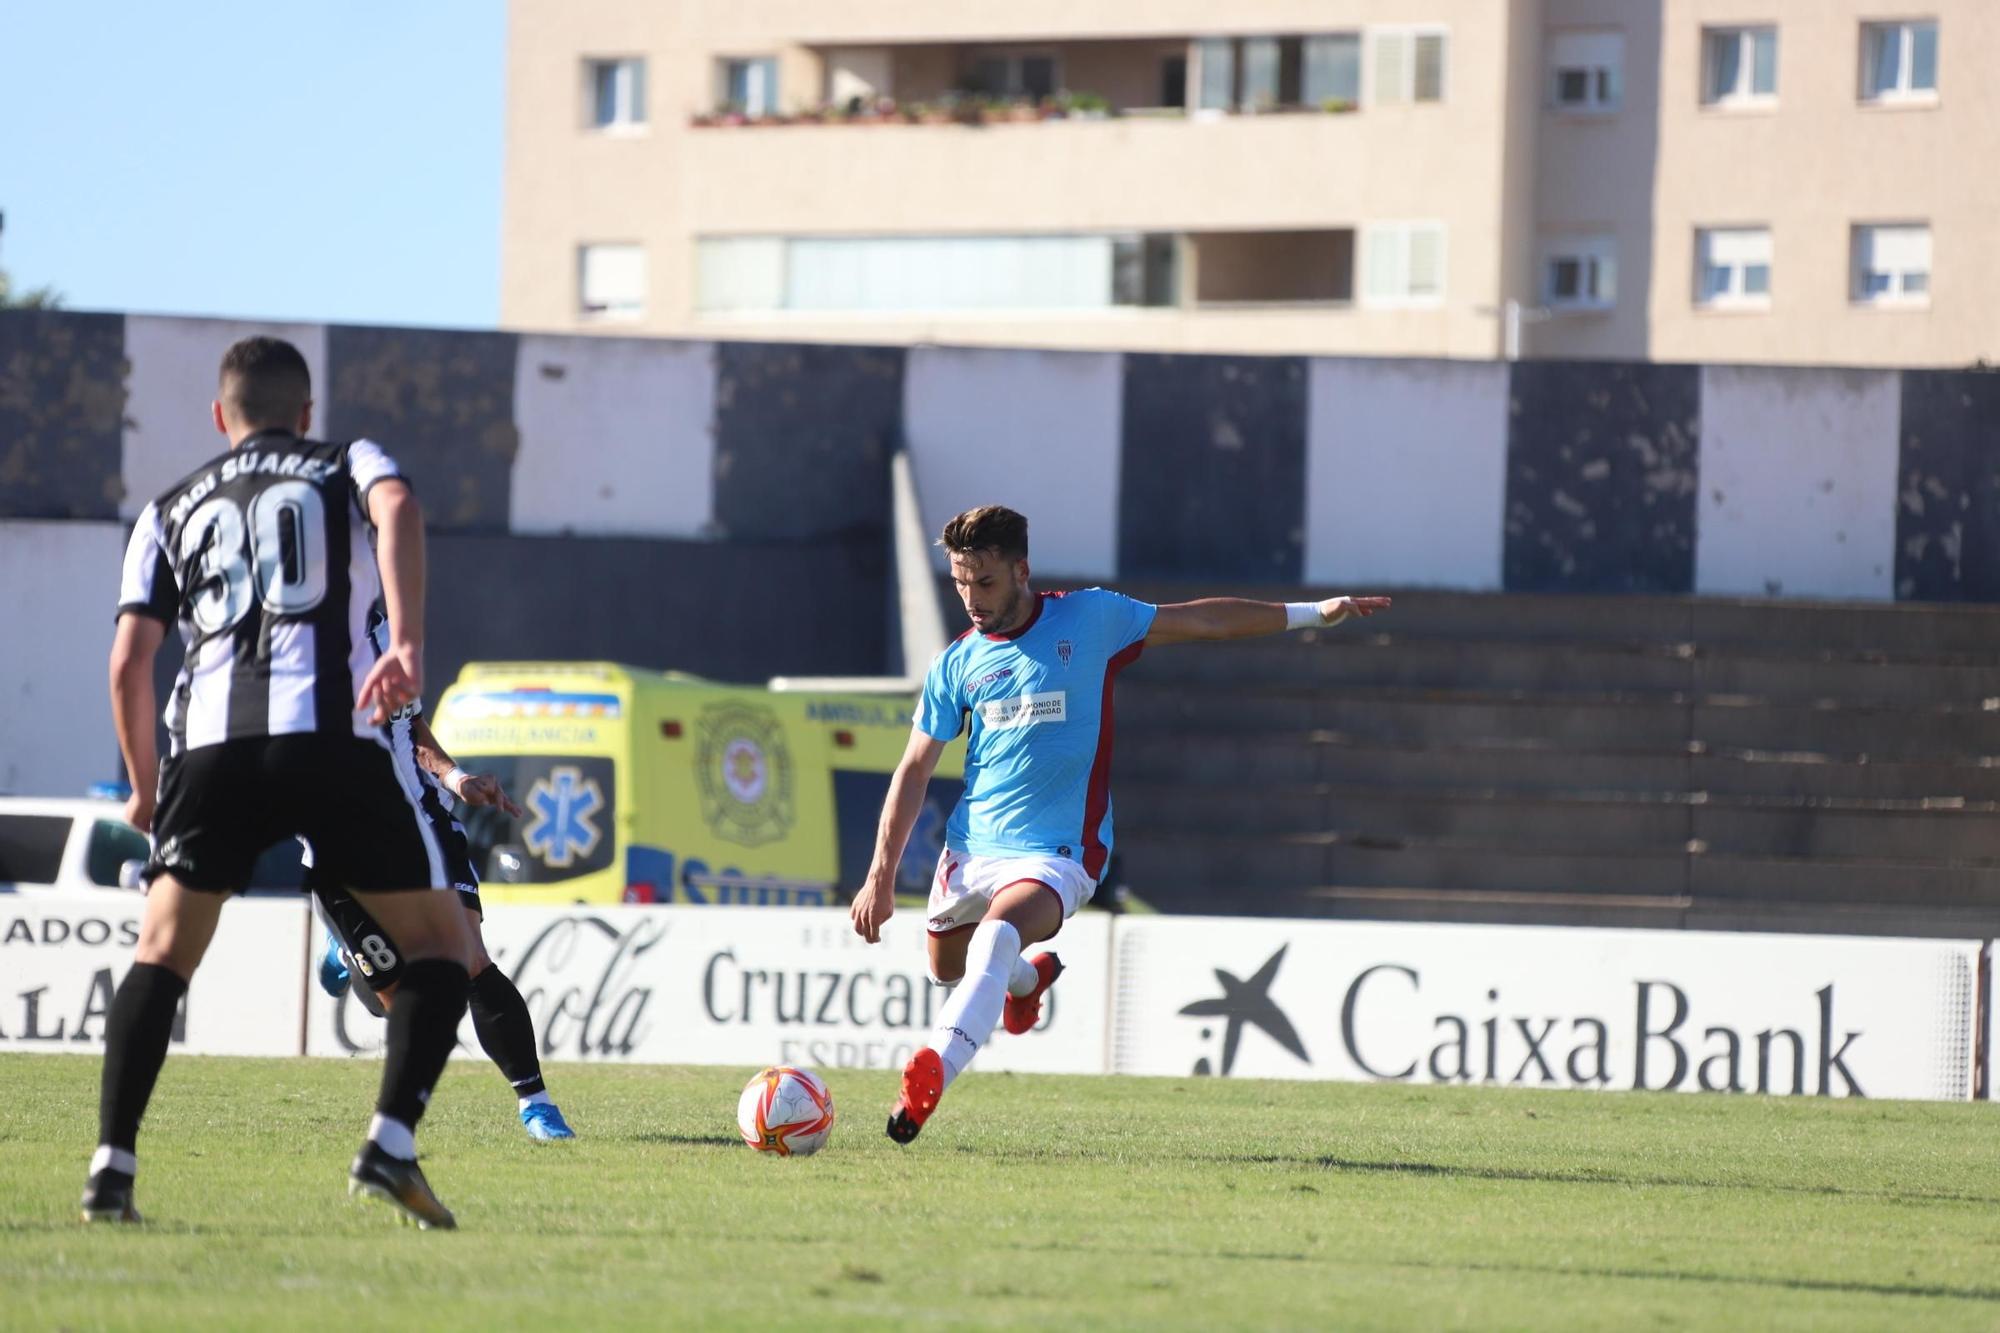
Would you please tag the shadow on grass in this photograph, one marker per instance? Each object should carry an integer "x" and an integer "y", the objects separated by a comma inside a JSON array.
[
  {"x": 1328, "y": 1163},
  {"x": 1986, "y": 1295},
  {"x": 686, "y": 1140}
]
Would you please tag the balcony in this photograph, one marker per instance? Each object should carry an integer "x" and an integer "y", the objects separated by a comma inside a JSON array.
[
  {"x": 969, "y": 83},
  {"x": 1114, "y": 174}
]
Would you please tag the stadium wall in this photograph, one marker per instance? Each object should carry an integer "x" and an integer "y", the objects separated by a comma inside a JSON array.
[
  {"x": 651, "y": 500},
  {"x": 1598, "y": 477},
  {"x": 1348, "y": 1001}
]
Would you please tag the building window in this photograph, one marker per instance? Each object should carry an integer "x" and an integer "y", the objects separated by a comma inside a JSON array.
[
  {"x": 1892, "y": 264},
  {"x": 617, "y": 93},
  {"x": 1732, "y": 268},
  {"x": 1899, "y": 61},
  {"x": 1273, "y": 267},
  {"x": 1030, "y": 76},
  {"x": 749, "y": 85},
  {"x": 1408, "y": 65},
  {"x": 1145, "y": 270},
  {"x": 765, "y": 275},
  {"x": 1403, "y": 263},
  {"x": 1320, "y": 70},
  {"x": 611, "y": 282},
  {"x": 1580, "y": 273},
  {"x": 1739, "y": 66},
  {"x": 1586, "y": 71}
]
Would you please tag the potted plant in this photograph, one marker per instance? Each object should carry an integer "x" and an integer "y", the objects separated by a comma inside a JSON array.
[{"x": 1089, "y": 106}]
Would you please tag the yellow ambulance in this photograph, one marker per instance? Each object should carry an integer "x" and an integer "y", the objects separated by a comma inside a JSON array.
[{"x": 658, "y": 787}]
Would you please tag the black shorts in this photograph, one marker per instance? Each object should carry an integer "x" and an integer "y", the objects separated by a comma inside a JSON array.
[
  {"x": 221, "y": 805},
  {"x": 372, "y": 953},
  {"x": 451, "y": 841}
]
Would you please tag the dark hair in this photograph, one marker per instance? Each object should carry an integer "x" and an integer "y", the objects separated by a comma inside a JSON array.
[
  {"x": 264, "y": 382},
  {"x": 993, "y": 528}
]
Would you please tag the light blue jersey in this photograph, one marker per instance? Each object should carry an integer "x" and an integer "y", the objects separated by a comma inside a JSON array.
[{"x": 1038, "y": 763}]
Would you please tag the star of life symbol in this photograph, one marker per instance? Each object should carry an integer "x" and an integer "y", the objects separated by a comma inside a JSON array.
[{"x": 563, "y": 803}]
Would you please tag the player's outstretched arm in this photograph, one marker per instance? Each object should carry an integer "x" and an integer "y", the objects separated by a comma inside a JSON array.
[
  {"x": 132, "y": 709},
  {"x": 398, "y": 675},
  {"x": 472, "y": 788},
  {"x": 1239, "y": 618},
  {"x": 875, "y": 901}
]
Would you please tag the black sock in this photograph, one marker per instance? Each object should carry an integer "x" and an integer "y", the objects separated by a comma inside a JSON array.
[
  {"x": 423, "y": 1027},
  {"x": 506, "y": 1032},
  {"x": 135, "y": 1046}
]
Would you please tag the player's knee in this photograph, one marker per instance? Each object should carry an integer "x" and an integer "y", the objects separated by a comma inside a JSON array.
[
  {"x": 993, "y": 935},
  {"x": 160, "y": 945}
]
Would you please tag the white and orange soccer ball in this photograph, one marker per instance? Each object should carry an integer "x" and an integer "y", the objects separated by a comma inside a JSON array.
[{"x": 785, "y": 1111}]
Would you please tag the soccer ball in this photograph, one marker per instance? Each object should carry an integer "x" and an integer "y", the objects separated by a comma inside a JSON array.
[{"x": 785, "y": 1111}]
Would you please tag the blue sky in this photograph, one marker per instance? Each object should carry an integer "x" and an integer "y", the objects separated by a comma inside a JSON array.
[{"x": 290, "y": 159}]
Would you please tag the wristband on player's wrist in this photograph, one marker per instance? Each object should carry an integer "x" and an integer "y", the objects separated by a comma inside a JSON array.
[
  {"x": 454, "y": 781},
  {"x": 1304, "y": 615}
]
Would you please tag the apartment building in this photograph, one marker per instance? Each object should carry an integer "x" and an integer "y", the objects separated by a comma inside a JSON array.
[{"x": 1770, "y": 181}]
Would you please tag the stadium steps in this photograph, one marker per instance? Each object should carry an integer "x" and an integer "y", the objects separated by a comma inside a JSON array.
[
  {"x": 1645, "y": 722},
  {"x": 1574, "y": 821},
  {"x": 1672, "y": 762},
  {"x": 1188, "y": 864},
  {"x": 1367, "y": 660},
  {"x": 1222, "y": 756}
]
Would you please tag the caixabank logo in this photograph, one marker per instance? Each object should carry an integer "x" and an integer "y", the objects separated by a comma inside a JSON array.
[
  {"x": 1382, "y": 1021},
  {"x": 1245, "y": 1003}
]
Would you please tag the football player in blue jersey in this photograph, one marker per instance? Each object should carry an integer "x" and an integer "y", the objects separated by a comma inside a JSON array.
[{"x": 1031, "y": 837}]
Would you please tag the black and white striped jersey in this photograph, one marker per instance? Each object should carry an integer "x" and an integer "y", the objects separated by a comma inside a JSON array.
[{"x": 264, "y": 557}]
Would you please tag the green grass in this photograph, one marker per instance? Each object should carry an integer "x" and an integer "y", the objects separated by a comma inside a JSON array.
[{"x": 1028, "y": 1203}]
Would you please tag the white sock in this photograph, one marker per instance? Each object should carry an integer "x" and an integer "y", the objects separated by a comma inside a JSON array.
[
  {"x": 974, "y": 1008},
  {"x": 1025, "y": 978},
  {"x": 115, "y": 1159},
  {"x": 534, "y": 1098},
  {"x": 393, "y": 1137}
]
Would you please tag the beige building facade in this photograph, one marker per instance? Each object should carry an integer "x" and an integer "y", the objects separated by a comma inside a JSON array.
[{"x": 1702, "y": 180}]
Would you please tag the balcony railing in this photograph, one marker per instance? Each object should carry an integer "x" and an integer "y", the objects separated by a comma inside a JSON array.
[{"x": 979, "y": 110}]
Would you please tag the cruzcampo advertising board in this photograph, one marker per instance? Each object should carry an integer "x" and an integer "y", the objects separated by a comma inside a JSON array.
[{"x": 657, "y": 787}]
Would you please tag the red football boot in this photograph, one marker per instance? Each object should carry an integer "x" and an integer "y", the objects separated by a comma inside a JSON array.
[
  {"x": 923, "y": 1084},
  {"x": 1024, "y": 1011}
]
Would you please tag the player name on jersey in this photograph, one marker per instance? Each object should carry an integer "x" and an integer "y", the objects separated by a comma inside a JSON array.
[{"x": 252, "y": 462}]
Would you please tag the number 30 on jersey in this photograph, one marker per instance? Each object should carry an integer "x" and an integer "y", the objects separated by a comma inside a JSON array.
[{"x": 279, "y": 555}]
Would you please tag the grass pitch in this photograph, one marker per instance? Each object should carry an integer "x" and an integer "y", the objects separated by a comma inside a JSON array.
[{"x": 1028, "y": 1202}]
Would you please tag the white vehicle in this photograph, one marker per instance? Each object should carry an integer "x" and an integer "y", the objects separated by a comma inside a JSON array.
[
  {"x": 57, "y": 842},
  {"x": 54, "y": 842}
]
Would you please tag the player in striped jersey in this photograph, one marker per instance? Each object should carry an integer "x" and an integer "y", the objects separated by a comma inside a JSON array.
[
  {"x": 269, "y": 559},
  {"x": 358, "y": 943},
  {"x": 1031, "y": 837}
]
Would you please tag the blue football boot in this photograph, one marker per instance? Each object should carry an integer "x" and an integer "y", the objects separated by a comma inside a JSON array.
[
  {"x": 543, "y": 1121},
  {"x": 334, "y": 978}
]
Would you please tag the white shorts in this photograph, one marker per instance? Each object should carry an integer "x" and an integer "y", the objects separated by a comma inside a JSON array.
[{"x": 965, "y": 884}]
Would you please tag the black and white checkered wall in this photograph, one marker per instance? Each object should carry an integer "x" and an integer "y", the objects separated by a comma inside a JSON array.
[
  {"x": 658, "y": 500},
  {"x": 1540, "y": 476}
]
